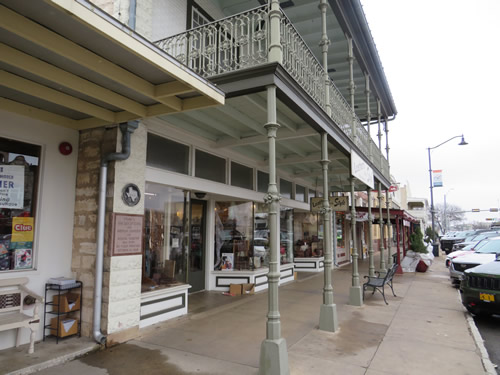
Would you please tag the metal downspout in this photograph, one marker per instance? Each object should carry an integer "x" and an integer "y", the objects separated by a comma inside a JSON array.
[
  {"x": 126, "y": 128},
  {"x": 132, "y": 11}
]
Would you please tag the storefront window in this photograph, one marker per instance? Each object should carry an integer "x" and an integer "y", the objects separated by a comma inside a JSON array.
[
  {"x": 166, "y": 154},
  {"x": 19, "y": 166},
  {"x": 285, "y": 188},
  {"x": 233, "y": 236},
  {"x": 308, "y": 235},
  {"x": 164, "y": 240},
  {"x": 340, "y": 231},
  {"x": 286, "y": 235},
  {"x": 300, "y": 193},
  {"x": 210, "y": 167},
  {"x": 241, "y": 176},
  {"x": 262, "y": 182}
]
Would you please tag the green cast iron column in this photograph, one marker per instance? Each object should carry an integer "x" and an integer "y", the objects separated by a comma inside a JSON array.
[
  {"x": 371, "y": 266},
  {"x": 390, "y": 262},
  {"x": 383, "y": 269},
  {"x": 355, "y": 292},
  {"x": 273, "y": 351},
  {"x": 328, "y": 313}
]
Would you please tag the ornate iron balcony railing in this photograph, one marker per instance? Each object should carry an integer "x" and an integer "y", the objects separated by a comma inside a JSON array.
[{"x": 241, "y": 41}]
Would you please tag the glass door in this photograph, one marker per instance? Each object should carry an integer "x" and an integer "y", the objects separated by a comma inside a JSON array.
[{"x": 196, "y": 258}]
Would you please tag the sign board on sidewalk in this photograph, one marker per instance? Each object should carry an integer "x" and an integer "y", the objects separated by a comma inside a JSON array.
[{"x": 336, "y": 203}]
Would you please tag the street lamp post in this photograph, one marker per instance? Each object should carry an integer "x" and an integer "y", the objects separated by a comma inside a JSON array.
[{"x": 462, "y": 143}]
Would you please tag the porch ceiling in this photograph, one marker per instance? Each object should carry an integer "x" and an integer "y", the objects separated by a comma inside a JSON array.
[
  {"x": 68, "y": 63},
  {"x": 239, "y": 127},
  {"x": 306, "y": 18}
]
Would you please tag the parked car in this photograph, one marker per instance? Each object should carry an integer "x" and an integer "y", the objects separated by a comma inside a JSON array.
[
  {"x": 480, "y": 289},
  {"x": 464, "y": 251},
  {"x": 448, "y": 241},
  {"x": 474, "y": 239},
  {"x": 487, "y": 253}
]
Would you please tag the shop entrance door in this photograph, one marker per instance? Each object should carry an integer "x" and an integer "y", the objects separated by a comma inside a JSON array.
[{"x": 196, "y": 273}]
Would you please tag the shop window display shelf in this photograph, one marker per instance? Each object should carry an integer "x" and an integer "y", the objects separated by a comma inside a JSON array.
[{"x": 55, "y": 315}]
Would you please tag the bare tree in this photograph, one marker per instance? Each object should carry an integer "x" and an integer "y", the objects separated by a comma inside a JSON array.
[{"x": 454, "y": 215}]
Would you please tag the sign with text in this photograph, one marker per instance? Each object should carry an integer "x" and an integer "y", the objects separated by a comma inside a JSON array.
[
  {"x": 336, "y": 204},
  {"x": 360, "y": 216},
  {"x": 11, "y": 186},
  {"x": 437, "y": 178},
  {"x": 126, "y": 234},
  {"x": 22, "y": 229},
  {"x": 361, "y": 170}
]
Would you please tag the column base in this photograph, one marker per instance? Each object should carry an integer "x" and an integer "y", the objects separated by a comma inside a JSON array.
[
  {"x": 328, "y": 320},
  {"x": 273, "y": 358},
  {"x": 355, "y": 296}
]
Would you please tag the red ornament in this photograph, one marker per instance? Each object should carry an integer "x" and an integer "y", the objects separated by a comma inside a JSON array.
[{"x": 65, "y": 148}]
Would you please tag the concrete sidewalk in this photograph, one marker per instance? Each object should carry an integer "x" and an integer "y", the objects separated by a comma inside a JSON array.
[{"x": 424, "y": 330}]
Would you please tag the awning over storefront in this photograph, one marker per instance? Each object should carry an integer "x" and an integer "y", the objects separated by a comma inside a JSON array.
[
  {"x": 394, "y": 213},
  {"x": 69, "y": 63}
]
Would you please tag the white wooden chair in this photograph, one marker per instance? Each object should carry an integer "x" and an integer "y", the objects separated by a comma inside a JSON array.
[{"x": 12, "y": 302}]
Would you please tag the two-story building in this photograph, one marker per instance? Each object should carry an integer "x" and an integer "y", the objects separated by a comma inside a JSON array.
[{"x": 232, "y": 116}]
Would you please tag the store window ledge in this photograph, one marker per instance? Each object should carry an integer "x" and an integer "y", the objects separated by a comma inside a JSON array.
[
  {"x": 310, "y": 264},
  {"x": 163, "y": 304},
  {"x": 222, "y": 279}
]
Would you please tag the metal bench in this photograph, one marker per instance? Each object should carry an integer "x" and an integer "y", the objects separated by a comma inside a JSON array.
[
  {"x": 378, "y": 283},
  {"x": 14, "y": 296}
]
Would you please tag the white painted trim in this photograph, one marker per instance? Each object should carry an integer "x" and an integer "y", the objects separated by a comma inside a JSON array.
[
  {"x": 316, "y": 264},
  {"x": 112, "y": 32}
]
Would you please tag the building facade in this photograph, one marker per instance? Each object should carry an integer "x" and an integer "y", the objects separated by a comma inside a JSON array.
[{"x": 231, "y": 119}]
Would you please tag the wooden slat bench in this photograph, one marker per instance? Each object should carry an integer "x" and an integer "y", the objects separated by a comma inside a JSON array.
[
  {"x": 378, "y": 283},
  {"x": 12, "y": 301}
]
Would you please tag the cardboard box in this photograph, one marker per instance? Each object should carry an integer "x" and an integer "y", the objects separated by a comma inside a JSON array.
[
  {"x": 235, "y": 289},
  {"x": 67, "y": 326},
  {"x": 247, "y": 289},
  {"x": 69, "y": 302}
]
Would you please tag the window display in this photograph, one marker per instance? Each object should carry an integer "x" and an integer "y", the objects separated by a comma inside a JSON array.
[
  {"x": 308, "y": 235},
  {"x": 233, "y": 235},
  {"x": 242, "y": 236},
  {"x": 164, "y": 240},
  {"x": 19, "y": 166}
]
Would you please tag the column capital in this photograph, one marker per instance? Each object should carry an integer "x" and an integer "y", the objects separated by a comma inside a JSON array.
[
  {"x": 272, "y": 129},
  {"x": 270, "y": 198}
]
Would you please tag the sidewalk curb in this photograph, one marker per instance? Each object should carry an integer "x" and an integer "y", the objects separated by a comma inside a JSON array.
[
  {"x": 485, "y": 358},
  {"x": 54, "y": 362}
]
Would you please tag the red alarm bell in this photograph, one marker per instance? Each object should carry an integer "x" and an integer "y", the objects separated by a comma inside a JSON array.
[{"x": 65, "y": 148}]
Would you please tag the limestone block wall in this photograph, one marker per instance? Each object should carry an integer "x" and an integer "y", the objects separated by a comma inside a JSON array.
[
  {"x": 84, "y": 232},
  {"x": 122, "y": 274}
]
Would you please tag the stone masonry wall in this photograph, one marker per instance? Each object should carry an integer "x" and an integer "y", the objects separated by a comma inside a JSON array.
[
  {"x": 84, "y": 234},
  {"x": 122, "y": 274}
]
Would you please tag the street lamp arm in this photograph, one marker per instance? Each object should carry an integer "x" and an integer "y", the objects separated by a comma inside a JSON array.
[{"x": 457, "y": 136}]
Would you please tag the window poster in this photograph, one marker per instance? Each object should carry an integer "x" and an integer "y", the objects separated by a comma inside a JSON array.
[
  {"x": 22, "y": 229},
  {"x": 23, "y": 259},
  {"x": 11, "y": 186}
]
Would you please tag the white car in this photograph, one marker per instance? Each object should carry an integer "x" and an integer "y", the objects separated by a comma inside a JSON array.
[
  {"x": 485, "y": 254},
  {"x": 466, "y": 250}
]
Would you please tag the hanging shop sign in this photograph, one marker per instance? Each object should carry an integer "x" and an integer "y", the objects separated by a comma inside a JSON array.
[
  {"x": 336, "y": 204},
  {"x": 11, "y": 186},
  {"x": 126, "y": 234},
  {"x": 361, "y": 170},
  {"x": 360, "y": 216},
  {"x": 437, "y": 178},
  {"x": 393, "y": 188}
]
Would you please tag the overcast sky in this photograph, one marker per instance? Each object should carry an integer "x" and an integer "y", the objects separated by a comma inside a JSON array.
[{"x": 442, "y": 61}]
